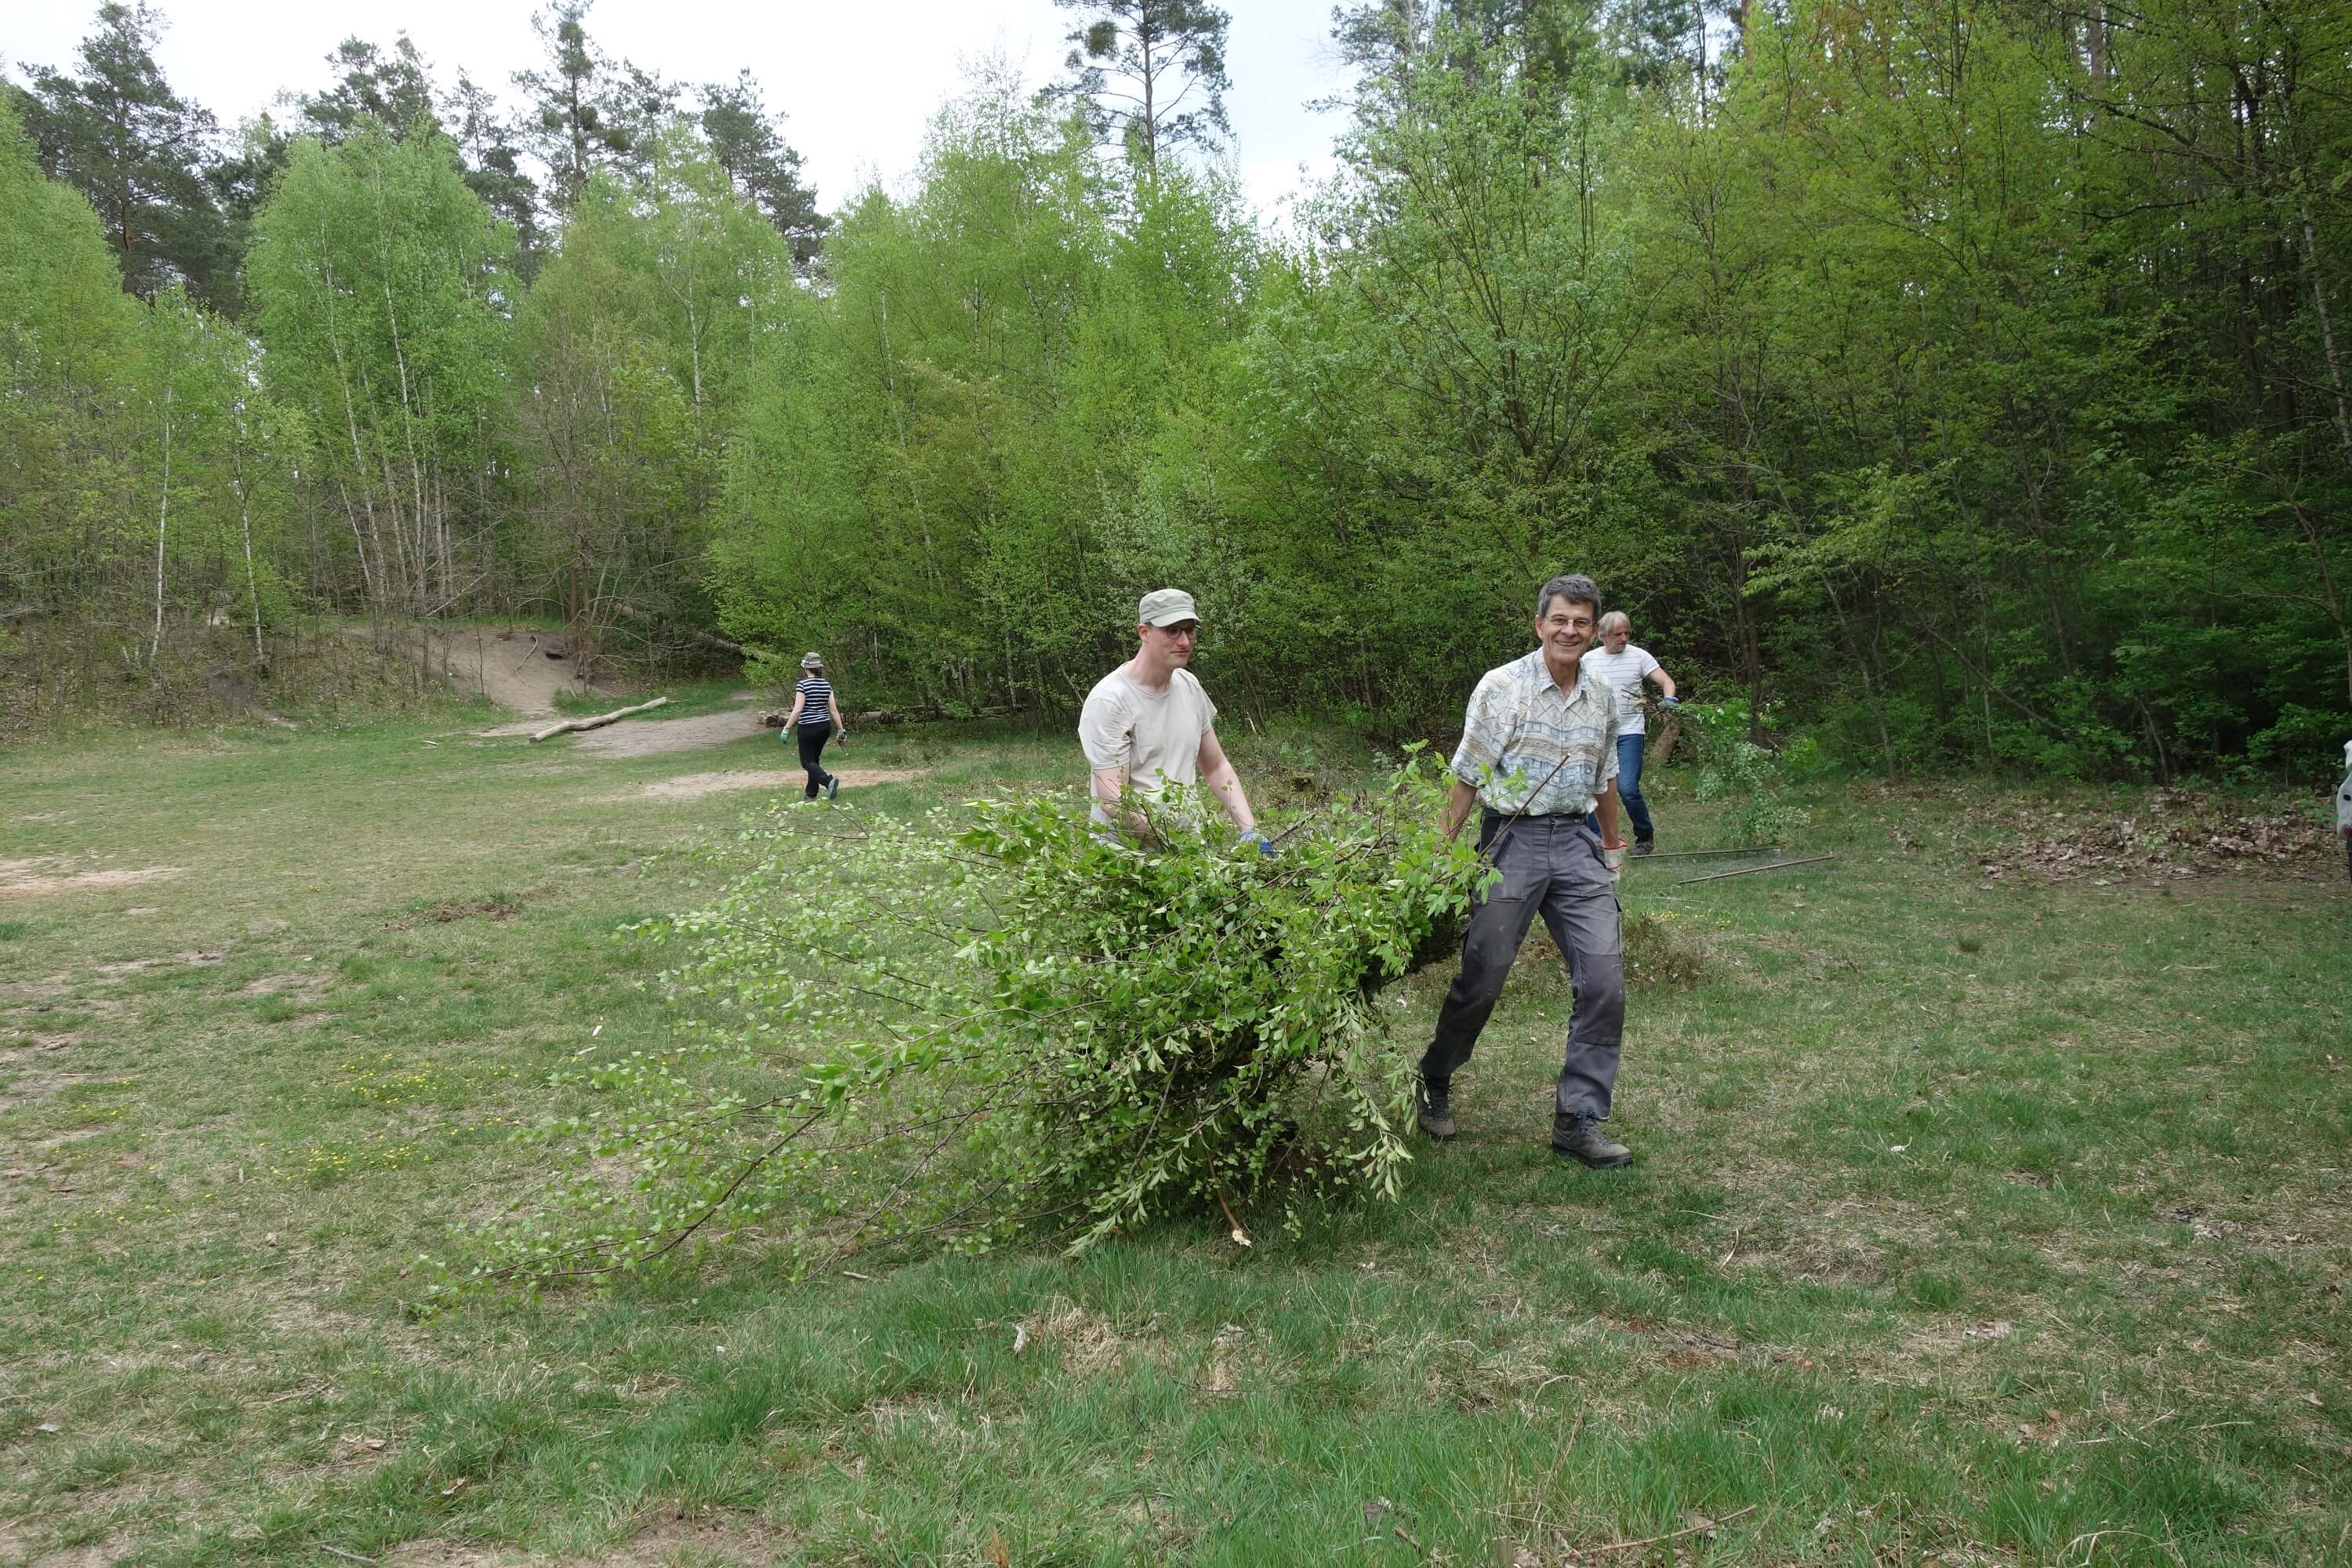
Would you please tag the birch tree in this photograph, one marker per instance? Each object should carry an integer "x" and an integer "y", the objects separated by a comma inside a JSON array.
[{"x": 382, "y": 283}]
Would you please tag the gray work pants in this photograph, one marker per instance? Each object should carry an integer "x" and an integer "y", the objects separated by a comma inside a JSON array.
[{"x": 1551, "y": 866}]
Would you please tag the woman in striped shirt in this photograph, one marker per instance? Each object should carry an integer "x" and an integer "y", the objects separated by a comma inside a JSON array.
[{"x": 816, "y": 719}]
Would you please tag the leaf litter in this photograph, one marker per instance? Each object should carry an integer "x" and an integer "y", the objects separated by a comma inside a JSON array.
[{"x": 2170, "y": 833}]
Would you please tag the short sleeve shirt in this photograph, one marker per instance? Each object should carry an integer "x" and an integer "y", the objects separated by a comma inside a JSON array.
[
  {"x": 1527, "y": 744},
  {"x": 1154, "y": 735},
  {"x": 1625, "y": 672}
]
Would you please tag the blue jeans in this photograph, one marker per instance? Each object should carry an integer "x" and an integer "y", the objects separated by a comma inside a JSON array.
[{"x": 1629, "y": 785}]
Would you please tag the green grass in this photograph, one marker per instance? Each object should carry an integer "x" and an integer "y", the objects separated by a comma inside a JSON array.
[{"x": 1979, "y": 1224}]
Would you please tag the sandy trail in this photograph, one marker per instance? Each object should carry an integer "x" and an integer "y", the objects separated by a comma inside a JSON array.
[
  {"x": 649, "y": 736},
  {"x": 510, "y": 668}
]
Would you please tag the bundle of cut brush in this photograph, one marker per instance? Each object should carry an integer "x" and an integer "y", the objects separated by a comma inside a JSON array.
[{"x": 998, "y": 1023}]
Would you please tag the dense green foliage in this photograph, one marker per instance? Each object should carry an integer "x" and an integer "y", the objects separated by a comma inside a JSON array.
[
  {"x": 1965, "y": 388},
  {"x": 376, "y": 275},
  {"x": 1007, "y": 1027}
]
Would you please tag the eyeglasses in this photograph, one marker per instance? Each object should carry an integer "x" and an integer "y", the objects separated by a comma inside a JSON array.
[
  {"x": 1190, "y": 629},
  {"x": 1562, "y": 624}
]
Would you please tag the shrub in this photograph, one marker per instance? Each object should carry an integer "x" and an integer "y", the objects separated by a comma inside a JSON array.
[{"x": 1752, "y": 778}]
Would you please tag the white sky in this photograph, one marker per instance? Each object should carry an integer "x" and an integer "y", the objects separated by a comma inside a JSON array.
[{"x": 859, "y": 87}]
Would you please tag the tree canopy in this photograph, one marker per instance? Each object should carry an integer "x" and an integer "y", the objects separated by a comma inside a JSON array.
[{"x": 1963, "y": 391}]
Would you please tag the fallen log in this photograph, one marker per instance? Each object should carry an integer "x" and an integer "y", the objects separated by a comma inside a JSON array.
[
  {"x": 598, "y": 723},
  {"x": 1751, "y": 871}
]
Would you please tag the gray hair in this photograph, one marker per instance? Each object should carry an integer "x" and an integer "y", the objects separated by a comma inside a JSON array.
[
  {"x": 1614, "y": 619},
  {"x": 1573, "y": 586}
]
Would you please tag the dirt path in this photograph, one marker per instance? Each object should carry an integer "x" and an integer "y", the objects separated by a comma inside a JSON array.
[
  {"x": 512, "y": 669},
  {"x": 694, "y": 786},
  {"x": 650, "y": 737}
]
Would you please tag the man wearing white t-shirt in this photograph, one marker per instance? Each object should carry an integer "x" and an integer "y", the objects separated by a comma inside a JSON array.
[
  {"x": 1147, "y": 724},
  {"x": 1625, "y": 666}
]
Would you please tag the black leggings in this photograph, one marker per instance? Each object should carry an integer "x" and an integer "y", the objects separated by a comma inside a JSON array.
[{"x": 812, "y": 738}]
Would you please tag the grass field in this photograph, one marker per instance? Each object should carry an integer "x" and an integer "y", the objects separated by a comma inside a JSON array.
[{"x": 1972, "y": 1222}]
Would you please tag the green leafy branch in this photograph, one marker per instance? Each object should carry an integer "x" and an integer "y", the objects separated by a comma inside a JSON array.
[{"x": 994, "y": 1024}]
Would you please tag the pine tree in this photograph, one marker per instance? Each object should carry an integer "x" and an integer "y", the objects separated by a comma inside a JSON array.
[
  {"x": 749, "y": 143},
  {"x": 395, "y": 90},
  {"x": 587, "y": 111},
  {"x": 118, "y": 134},
  {"x": 1135, "y": 65},
  {"x": 493, "y": 165}
]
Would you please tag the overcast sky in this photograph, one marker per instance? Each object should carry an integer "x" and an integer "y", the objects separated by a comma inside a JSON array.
[{"x": 858, "y": 83}]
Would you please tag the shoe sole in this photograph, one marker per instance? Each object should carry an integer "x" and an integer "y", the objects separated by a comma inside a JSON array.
[
  {"x": 1590, "y": 1164},
  {"x": 1433, "y": 1134}
]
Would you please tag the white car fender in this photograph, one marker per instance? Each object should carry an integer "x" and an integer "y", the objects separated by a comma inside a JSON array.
[
  {"x": 2343, "y": 808},
  {"x": 2343, "y": 795}
]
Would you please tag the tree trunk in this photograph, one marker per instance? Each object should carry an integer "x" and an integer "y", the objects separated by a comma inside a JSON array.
[
  {"x": 163, "y": 524},
  {"x": 598, "y": 723},
  {"x": 244, "y": 522}
]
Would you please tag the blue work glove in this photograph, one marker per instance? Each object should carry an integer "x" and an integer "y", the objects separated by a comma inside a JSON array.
[
  {"x": 1670, "y": 701},
  {"x": 1264, "y": 847}
]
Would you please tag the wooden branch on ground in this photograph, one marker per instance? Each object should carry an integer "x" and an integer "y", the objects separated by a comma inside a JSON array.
[
  {"x": 1677, "y": 1535},
  {"x": 1694, "y": 854},
  {"x": 1751, "y": 871},
  {"x": 598, "y": 723}
]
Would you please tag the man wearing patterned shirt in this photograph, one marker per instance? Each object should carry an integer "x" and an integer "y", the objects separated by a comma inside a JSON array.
[{"x": 1538, "y": 754}]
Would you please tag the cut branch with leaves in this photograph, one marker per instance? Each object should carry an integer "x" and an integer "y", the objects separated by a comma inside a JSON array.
[{"x": 1106, "y": 1036}]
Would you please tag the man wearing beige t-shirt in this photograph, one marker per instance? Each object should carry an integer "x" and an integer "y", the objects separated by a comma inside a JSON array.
[{"x": 1147, "y": 724}]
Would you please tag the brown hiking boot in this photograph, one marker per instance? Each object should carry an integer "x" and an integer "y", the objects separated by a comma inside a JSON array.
[
  {"x": 1432, "y": 1113},
  {"x": 1581, "y": 1138}
]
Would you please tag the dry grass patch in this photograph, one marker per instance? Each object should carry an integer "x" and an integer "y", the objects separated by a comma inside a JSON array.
[
  {"x": 296, "y": 987},
  {"x": 731, "y": 1541},
  {"x": 2166, "y": 834},
  {"x": 20, "y": 1548},
  {"x": 458, "y": 909},
  {"x": 44, "y": 990},
  {"x": 1088, "y": 1343},
  {"x": 694, "y": 786},
  {"x": 27, "y": 1086},
  {"x": 47, "y": 874},
  {"x": 722, "y": 1543}
]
